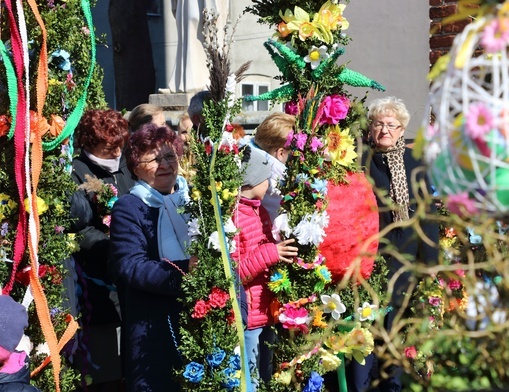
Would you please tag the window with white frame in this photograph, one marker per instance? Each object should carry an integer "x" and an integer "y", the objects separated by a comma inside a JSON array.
[{"x": 254, "y": 89}]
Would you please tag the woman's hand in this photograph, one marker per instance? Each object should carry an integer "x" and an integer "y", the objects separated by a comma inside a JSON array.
[
  {"x": 286, "y": 252},
  {"x": 193, "y": 262}
]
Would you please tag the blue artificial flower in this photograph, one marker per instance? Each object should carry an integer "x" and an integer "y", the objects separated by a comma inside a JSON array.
[
  {"x": 111, "y": 202},
  {"x": 216, "y": 358},
  {"x": 194, "y": 372},
  {"x": 320, "y": 186},
  {"x": 314, "y": 383},
  {"x": 301, "y": 177},
  {"x": 234, "y": 362},
  {"x": 61, "y": 58},
  {"x": 232, "y": 378},
  {"x": 474, "y": 239}
]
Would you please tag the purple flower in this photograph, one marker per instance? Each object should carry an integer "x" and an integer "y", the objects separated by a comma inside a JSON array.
[
  {"x": 315, "y": 144},
  {"x": 335, "y": 108},
  {"x": 301, "y": 141},
  {"x": 5, "y": 229},
  {"x": 59, "y": 229},
  {"x": 314, "y": 383},
  {"x": 292, "y": 108},
  {"x": 289, "y": 139},
  {"x": 434, "y": 301}
]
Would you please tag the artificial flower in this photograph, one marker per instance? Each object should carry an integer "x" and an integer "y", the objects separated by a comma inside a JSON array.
[
  {"x": 316, "y": 55},
  {"x": 410, "y": 352},
  {"x": 42, "y": 350},
  {"x": 4, "y": 125},
  {"x": 291, "y": 108},
  {"x": 366, "y": 312},
  {"x": 284, "y": 377},
  {"x": 340, "y": 146},
  {"x": 218, "y": 298},
  {"x": 38, "y": 126},
  {"x": 359, "y": 343},
  {"x": 283, "y": 30},
  {"x": 435, "y": 301},
  {"x": 314, "y": 383},
  {"x": 310, "y": 230},
  {"x": 494, "y": 37},
  {"x": 281, "y": 224},
  {"x": 194, "y": 372},
  {"x": 323, "y": 274},
  {"x": 196, "y": 194},
  {"x": 318, "y": 319},
  {"x": 216, "y": 358},
  {"x": 333, "y": 108},
  {"x": 56, "y": 125},
  {"x": 62, "y": 59},
  {"x": 193, "y": 228},
  {"x": 320, "y": 186},
  {"x": 232, "y": 378},
  {"x": 42, "y": 207},
  {"x": 279, "y": 281},
  {"x": 315, "y": 144},
  {"x": 299, "y": 21},
  {"x": 328, "y": 361},
  {"x": 294, "y": 318},
  {"x": 333, "y": 305},
  {"x": 460, "y": 204},
  {"x": 330, "y": 18},
  {"x": 214, "y": 241},
  {"x": 300, "y": 140},
  {"x": 201, "y": 308},
  {"x": 479, "y": 120}
]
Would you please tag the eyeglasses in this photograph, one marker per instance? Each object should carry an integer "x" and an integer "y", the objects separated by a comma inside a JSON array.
[
  {"x": 390, "y": 127},
  {"x": 169, "y": 158}
]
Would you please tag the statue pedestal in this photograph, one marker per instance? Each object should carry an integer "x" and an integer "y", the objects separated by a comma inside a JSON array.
[{"x": 171, "y": 101}]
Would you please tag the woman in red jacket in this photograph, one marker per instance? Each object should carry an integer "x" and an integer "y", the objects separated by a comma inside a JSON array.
[{"x": 256, "y": 251}]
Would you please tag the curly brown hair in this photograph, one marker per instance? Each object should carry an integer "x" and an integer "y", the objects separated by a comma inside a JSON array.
[
  {"x": 102, "y": 126},
  {"x": 147, "y": 138}
]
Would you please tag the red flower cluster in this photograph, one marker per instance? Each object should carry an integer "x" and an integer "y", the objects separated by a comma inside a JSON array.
[{"x": 217, "y": 299}]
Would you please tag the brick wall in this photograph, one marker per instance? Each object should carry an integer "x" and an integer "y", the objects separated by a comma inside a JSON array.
[{"x": 442, "y": 35}]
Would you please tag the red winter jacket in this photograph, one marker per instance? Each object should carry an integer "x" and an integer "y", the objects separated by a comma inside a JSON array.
[{"x": 255, "y": 253}]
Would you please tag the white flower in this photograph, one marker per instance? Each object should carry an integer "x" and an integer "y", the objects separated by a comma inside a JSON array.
[
  {"x": 230, "y": 84},
  {"x": 366, "y": 312},
  {"x": 431, "y": 152},
  {"x": 42, "y": 349},
  {"x": 229, "y": 226},
  {"x": 227, "y": 140},
  {"x": 214, "y": 241},
  {"x": 232, "y": 247},
  {"x": 316, "y": 55},
  {"x": 333, "y": 305},
  {"x": 281, "y": 225},
  {"x": 25, "y": 345},
  {"x": 193, "y": 228},
  {"x": 310, "y": 229}
]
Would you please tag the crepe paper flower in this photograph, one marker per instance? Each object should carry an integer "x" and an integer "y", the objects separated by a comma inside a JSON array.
[
  {"x": 38, "y": 126},
  {"x": 314, "y": 383},
  {"x": 218, "y": 298},
  {"x": 494, "y": 37},
  {"x": 284, "y": 377},
  {"x": 359, "y": 343},
  {"x": 450, "y": 232},
  {"x": 214, "y": 241},
  {"x": 410, "y": 352},
  {"x": 333, "y": 109},
  {"x": 7, "y": 206},
  {"x": 316, "y": 55},
  {"x": 315, "y": 144},
  {"x": 333, "y": 305},
  {"x": 289, "y": 139},
  {"x": 232, "y": 379},
  {"x": 474, "y": 239},
  {"x": 216, "y": 358},
  {"x": 194, "y": 372},
  {"x": 479, "y": 120},
  {"x": 279, "y": 281},
  {"x": 340, "y": 147},
  {"x": 282, "y": 224},
  {"x": 320, "y": 186},
  {"x": 434, "y": 301},
  {"x": 454, "y": 284},
  {"x": 323, "y": 274},
  {"x": 330, "y": 16},
  {"x": 4, "y": 125},
  {"x": 328, "y": 361},
  {"x": 318, "y": 319},
  {"x": 366, "y": 312},
  {"x": 308, "y": 232},
  {"x": 300, "y": 140},
  {"x": 201, "y": 308},
  {"x": 193, "y": 228},
  {"x": 42, "y": 207},
  {"x": 460, "y": 204},
  {"x": 61, "y": 58},
  {"x": 291, "y": 108},
  {"x": 295, "y": 318}
]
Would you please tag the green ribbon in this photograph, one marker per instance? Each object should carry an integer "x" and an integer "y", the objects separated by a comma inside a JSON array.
[
  {"x": 342, "y": 374},
  {"x": 12, "y": 87}
]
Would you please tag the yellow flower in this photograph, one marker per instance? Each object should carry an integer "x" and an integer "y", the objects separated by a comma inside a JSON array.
[
  {"x": 59, "y": 209},
  {"x": 54, "y": 82},
  {"x": 329, "y": 361},
  {"x": 340, "y": 146},
  {"x": 227, "y": 194},
  {"x": 7, "y": 205},
  {"x": 42, "y": 207},
  {"x": 328, "y": 19},
  {"x": 299, "y": 21},
  {"x": 317, "y": 320},
  {"x": 284, "y": 377},
  {"x": 196, "y": 194},
  {"x": 72, "y": 244},
  {"x": 359, "y": 343}
]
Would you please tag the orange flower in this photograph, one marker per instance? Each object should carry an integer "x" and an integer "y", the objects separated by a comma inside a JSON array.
[
  {"x": 317, "y": 320},
  {"x": 56, "y": 125},
  {"x": 38, "y": 126},
  {"x": 450, "y": 232},
  {"x": 283, "y": 29},
  {"x": 4, "y": 125}
]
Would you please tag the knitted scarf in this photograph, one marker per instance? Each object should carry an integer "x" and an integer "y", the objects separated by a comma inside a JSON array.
[
  {"x": 399, "y": 186},
  {"x": 172, "y": 234}
]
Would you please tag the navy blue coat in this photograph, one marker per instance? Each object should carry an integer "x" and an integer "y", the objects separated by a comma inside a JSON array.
[
  {"x": 148, "y": 288},
  {"x": 17, "y": 382}
]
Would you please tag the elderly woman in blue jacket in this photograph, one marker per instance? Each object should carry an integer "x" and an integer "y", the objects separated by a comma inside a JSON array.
[{"x": 148, "y": 257}]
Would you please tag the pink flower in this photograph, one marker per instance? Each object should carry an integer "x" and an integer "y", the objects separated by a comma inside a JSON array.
[
  {"x": 494, "y": 37},
  {"x": 434, "y": 301},
  {"x": 301, "y": 141},
  {"x": 289, "y": 139},
  {"x": 113, "y": 189},
  {"x": 410, "y": 352},
  {"x": 335, "y": 108},
  {"x": 218, "y": 298},
  {"x": 292, "y": 108},
  {"x": 295, "y": 318},
  {"x": 461, "y": 205},
  {"x": 479, "y": 121},
  {"x": 460, "y": 273},
  {"x": 201, "y": 308},
  {"x": 454, "y": 284},
  {"x": 316, "y": 143},
  {"x": 107, "y": 220}
]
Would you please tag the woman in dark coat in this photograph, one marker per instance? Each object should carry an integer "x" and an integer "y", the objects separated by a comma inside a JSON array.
[
  {"x": 148, "y": 258},
  {"x": 101, "y": 136},
  {"x": 391, "y": 166}
]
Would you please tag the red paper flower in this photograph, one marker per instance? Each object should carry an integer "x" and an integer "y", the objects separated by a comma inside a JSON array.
[
  {"x": 4, "y": 125},
  {"x": 218, "y": 298},
  {"x": 410, "y": 352},
  {"x": 353, "y": 221},
  {"x": 201, "y": 308}
]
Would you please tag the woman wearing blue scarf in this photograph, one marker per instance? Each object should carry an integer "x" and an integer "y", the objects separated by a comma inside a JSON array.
[{"x": 148, "y": 258}]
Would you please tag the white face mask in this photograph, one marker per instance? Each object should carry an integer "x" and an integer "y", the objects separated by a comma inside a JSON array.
[{"x": 110, "y": 165}]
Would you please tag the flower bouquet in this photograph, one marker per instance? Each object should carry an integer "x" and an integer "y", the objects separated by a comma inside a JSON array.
[{"x": 105, "y": 196}]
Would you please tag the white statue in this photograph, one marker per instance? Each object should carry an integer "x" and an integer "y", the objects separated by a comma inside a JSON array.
[{"x": 190, "y": 73}]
